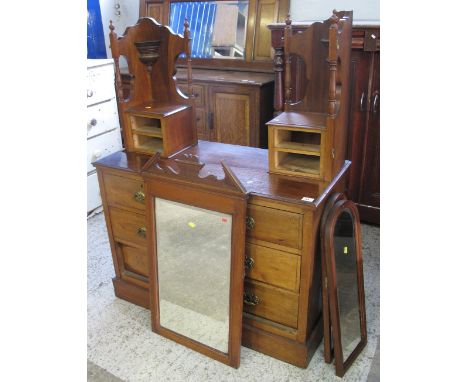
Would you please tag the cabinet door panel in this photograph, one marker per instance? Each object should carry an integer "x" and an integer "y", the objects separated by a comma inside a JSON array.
[
  {"x": 232, "y": 116},
  {"x": 370, "y": 181}
]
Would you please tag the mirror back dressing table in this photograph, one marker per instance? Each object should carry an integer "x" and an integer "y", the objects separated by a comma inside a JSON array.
[{"x": 282, "y": 306}]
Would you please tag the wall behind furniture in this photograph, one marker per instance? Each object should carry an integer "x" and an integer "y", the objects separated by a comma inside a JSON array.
[
  {"x": 129, "y": 10},
  {"x": 363, "y": 10}
]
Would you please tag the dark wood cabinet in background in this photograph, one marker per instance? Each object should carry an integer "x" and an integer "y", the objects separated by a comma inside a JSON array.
[
  {"x": 364, "y": 119},
  {"x": 364, "y": 132},
  {"x": 231, "y": 107}
]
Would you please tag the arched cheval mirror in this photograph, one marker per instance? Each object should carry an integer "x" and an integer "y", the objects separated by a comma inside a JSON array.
[
  {"x": 345, "y": 283},
  {"x": 196, "y": 248},
  {"x": 327, "y": 335}
]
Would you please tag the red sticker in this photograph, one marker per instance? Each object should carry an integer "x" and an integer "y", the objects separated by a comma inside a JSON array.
[{"x": 224, "y": 220}]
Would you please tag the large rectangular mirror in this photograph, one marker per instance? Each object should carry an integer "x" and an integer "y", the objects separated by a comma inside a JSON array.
[
  {"x": 194, "y": 261},
  {"x": 196, "y": 247}
]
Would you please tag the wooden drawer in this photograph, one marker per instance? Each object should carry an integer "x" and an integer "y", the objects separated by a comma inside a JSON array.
[
  {"x": 275, "y": 226},
  {"x": 274, "y": 304},
  {"x": 135, "y": 260},
  {"x": 198, "y": 92},
  {"x": 128, "y": 227},
  {"x": 124, "y": 192},
  {"x": 273, "y": 267}
]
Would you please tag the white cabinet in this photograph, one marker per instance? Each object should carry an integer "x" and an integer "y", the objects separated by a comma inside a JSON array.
[{"x": 103, "y": 128}]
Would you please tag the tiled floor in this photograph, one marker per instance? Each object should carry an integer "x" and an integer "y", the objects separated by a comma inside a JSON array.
[{"x": 122, "y": 347}]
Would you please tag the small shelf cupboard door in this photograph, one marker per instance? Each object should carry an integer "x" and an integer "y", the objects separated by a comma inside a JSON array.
[{"x": 231, "y": 116}]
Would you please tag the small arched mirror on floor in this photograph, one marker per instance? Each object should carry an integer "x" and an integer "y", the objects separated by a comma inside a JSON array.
[{"x": 344, "y": 283}]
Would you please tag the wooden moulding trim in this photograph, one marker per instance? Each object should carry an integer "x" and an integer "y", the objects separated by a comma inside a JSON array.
[{"x": 332, "y": 184}]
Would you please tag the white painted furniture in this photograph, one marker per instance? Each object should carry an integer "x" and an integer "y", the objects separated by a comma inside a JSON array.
[{"x": 103, "y": 127}]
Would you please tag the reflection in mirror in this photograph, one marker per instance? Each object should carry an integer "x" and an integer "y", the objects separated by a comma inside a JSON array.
[
  {"x": 193, "y": 260},
  {"x": 347, "y": 283},
  {"x": 217, "y": 28}
]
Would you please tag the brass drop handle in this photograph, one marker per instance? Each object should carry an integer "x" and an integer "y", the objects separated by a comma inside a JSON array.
[
  {"x": 141, "y": 232},
  {"x": 248, "y": 262},
  {"x": 250, "y": 222},
  {"x": 374, "y": 104},
  {"x": 251, "y": 299},
  {"x": 139, "y": 196},
  {"x": 362, "y": 101}
]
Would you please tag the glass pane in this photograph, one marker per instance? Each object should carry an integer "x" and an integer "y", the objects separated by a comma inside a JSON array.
[
  {"x": 346, "y": 281},
  {"x": 194, "y": 262},
  {"x": 217, "y": 28}
]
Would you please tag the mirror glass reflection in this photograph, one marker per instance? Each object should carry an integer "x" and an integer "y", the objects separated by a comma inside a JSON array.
[
  {"x": 217, "y": 28},
  {"x": 347, "y": 283},
  {"x": 194, "y": 261}
]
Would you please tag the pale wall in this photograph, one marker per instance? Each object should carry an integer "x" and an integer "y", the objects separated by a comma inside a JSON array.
[{"x": 363, "y": 10}]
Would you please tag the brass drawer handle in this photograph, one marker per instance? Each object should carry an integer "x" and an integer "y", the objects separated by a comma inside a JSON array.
[
  {"x": 248, "y": 262},
  {"x": 141, "y": 232},
  {"x": 251, "y": 299},
  {"x": 250, "y": 222},
  {"x": 139, "y": 196}
]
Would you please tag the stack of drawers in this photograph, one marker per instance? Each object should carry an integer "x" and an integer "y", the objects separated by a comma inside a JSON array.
[
  {"x": 124, "y": 208},
  {"x": 273, "y": 265},
  {"x": 103, "y": 128}
]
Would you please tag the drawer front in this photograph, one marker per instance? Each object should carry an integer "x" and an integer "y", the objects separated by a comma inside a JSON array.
[
  {"x": 124, "y": 192},
  {"x": 274, "y": 304},
  {"x": 102, "y": 146},
  {"x": 276, "y": 226},
  {"x": 101, "y": 118},
  {"x": 94, "y": 197},
  {"x": 100, "y": 84},
  {"x": 128, "y": 227},
  {"x": 135, "y": 260},
  {"x": 198, "y": 92},
  {"x": 273, "y": 267}
]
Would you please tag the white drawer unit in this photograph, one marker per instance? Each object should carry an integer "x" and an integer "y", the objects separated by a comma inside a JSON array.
[
  {"x": 103, "y": 127},
  {"x": 103, "y": 145},
  {"x": 94, "y": 196},
  {"x": 100, "y": 81},
  {"x": 102, "y": 118}
]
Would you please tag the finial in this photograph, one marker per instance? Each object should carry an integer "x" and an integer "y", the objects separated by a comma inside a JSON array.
[
  {"x": 334, "y": 18},
  {"x": 288, "y": 19},
  {"x": 111, "y": 26},
  {"x": 186, "y": 23}
]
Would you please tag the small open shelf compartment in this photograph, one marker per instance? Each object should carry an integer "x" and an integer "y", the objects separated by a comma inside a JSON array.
[
  {"x": 295, "y": 150},
  {"x": 297, "y": 141},
  {"x": 147, "y": 134}
]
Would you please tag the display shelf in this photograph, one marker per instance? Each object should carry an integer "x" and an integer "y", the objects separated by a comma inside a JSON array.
[{"x": 297, "y": 163}]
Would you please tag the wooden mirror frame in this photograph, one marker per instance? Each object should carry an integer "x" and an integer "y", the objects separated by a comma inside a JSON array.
[
  {"x": 255, "y": 37},
  {"x": 339, "y": 207},
  {"x": 179, "y": 181},
  {"x": 327, "y": 337}
]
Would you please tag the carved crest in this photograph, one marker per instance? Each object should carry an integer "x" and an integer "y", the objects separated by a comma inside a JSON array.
[{"x": 188, "y": 168}]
